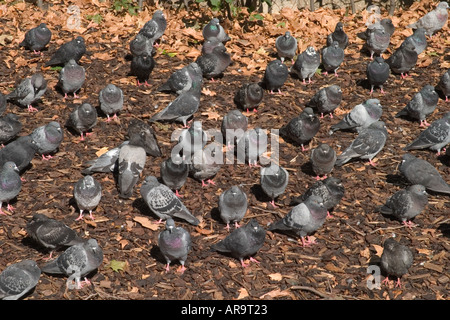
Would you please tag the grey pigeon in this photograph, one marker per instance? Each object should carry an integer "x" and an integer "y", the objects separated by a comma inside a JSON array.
[
  {"x": 209, "y": 45},
  {"x": 155, "y": 27},
  {"x": 274, "y": 180},
  {"x": 405, "y": 204},
  {"x": 29, "y": 91},
  {"x": 251, "y": 146},
  {"x": 37, "y": 38},
  {"x": 434, "y": 20},
  {"x": 163, "y": 202},
  {"x": 377, "y": 73},
  {"x": 301, "y": 129},
  {"x": 141, "y": 67},
  {"x": 192, "y": 139},
  {"x": 435, "y": 137},
  {"x": 106, "y": 162},
  {"x": 175, "y": 244},
  {"x": 87, "y": 193},
  {"x": 82, "y": 119},
  {"x": 181, "y": 80},
  {"x": 396, "y": 259},
  {"x": 386, "y": 23},
  {"x": 286, "y": 46},
  {"x": 48, "y": 138},
  {"x": 215, "y": 63},
  {"x": 72, "y": 50},
  {"x": 71, "y": 78},
  {"x": 141, "y": 45},
  {"x": 422, "y": 104},
  {"x": 275, "y": 76},
  {"x": 418, "y": 39},
  {"x": 444, "y": 84},
  {"x": 214, "y": 30},
  {"x": 419, "y": 171},
  {"x": 403, "y": 59},
  {"x": 234, "y": 125},
  {"x": 249, "y": 96},
  {"x": 388, "y": 26},
  {"x": 338, "y": 35},
  {"x": 3, "y": 103},
  {"x": 378, "y": 40},
  {"x": 303, "y": 219},
  {"x": 18, "y": 279},
  {"x": 361, "y": 116},
  {"x": 174, "y": 172},
  {"x": 206, "y": 163},
  {"x": 10, "y": 127},
  {"x": 326, "y": 100},
  {"x": 332, "y": 58},
  {"x": 369, "y": 142},
  {"x": 243, "y": 242},
  {"x": 142, "y": 134},
  {"x": 20, "y": 151},
  {"x": 323, "y": 159},
  {"x": 111, "y": 100},
  {"x": 306, "y": 64},
  {"x": 10, "y": 184},
  {"x": 76, "y": 262},
  {"x": 232, "y": 206},
  {"x": 131, "y": 163}
]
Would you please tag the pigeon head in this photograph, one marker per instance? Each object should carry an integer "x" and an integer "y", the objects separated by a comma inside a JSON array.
[
  {"x": 307, "y": 113},
  {"x": 429, "y": 93},
  {"x": 79, "y": 40},
  {"x": 335, "y": 44},
  {"x": 287, "y": 34},
  {"x": 38, "y": 82},
  {"x": 339, "y": 26},
  {"x": 88, "y": 182},
  {"x": 158, "y": 14},
  {"x": 10, "y": 166},
  {"x": 418, "y": 189},
  {"x": 170, "y": 224},
  {"x": 310, "y": 51},
  {"x": 443, "y": 5},
  {"x": 151, "y": 181},
  {"x": 39, "y": 217}
]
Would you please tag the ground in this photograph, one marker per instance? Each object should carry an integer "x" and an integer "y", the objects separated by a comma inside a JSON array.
[{"x": 348, "y": 243}]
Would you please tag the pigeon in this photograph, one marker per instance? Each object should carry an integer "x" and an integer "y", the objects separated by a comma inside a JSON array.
[
  {"x": 10, "y": 126},
  {"x": 243, "y": 242},
  {"x": 360, "y": 117},
  {"x": 301, "y": 129},
  {"x": 111, "y": 101},
  {"x": 19, "y": 278},
  {"x": 181, "y": 80},
  {"x": 175, "y": 244},
  {"x": 191, "y": 140},
  {"x": 87, "y": 193},
  {"x": 82, "y": 119},
  {"x": 275, "y": 76},
  {"x": 155, "y": 27},
  {"x": 338, "y": 35},
  {"x": 107, "y": 162},
  {"x": 332, "y": 58},
  {"x": 206, "y": 163},
  {"x": 20, "y": 151},
  {"x": 37, "y": 38},
  {"x": 131, "y": 161},
  {"x": 403, "y": 59},
  {"x": 174, "y": 172},
  {"x": 369, "y": 142},
  {"x": 51, "y": 233},
  {"x": 323, "y": 159},
  {"x": 76, "y": 262},
  {"x": 29, "y": 91},
  {"x": 248, "y": 96},
  {"x": 435, "y": 137},
  {"x": 163, "y": 202},
  {"x": 72, "y": 50},
  {"x": 214, "y": 30},
  {"x": 434, "y": 20},
  {"x": 303, "y": 219},
  {"x": 251, "y": 146},
  {"x": 422, "y": 104},
  {"x": 418, "y": 39},
  {"x": 444, "y": 84},
  {"x": 141, "y": 45},
  {"x": 396, "y": 259},
  {"x": 274, "y": 180},
  {"x": 48, "y": 138},
  {"x": 209, "y": 45},
  {"x": 215, "y": 63},
  {"x": 326, "y": 100},
  {"x": 71, "y": 78},
  {"x": 10, "y": 184},
  {"x": 3, "y": 103},
  {"x": 141, "y": 67},
  {"x": 377, "y": 41},
  {"x": 286, "y": 46},
  {"x": 419, "y": 171},
  {"x": 377, "y": 73},
  {"x": 386, "y": 23},
  {"x": 306, "y": 64},
  {"x": 388, "y": 26},
  {"x": 232, "y": 206},
  {"x": 405, "y": 204},
  {"x": 142, "y": 134},
  {"x": 234, "y": 125}
]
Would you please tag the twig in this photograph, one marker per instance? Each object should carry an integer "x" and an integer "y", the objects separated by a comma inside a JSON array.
[
  {"x": 354, "y": 229},
  {"x": 317, "y": 292}
]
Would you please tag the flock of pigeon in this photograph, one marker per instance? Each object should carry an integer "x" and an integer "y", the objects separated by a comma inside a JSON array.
[{"x": 127, "y": 160}]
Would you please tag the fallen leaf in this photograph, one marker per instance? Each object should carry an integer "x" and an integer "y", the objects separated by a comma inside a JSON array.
[
  {"x": 146, "y": 223},
  {"x": 276, "y": 293},
  {"x": 242, "y": 294},
  {"x": 275, "y": 276},
  {"x": 378, "y": 249},
  {"x": 116, "y": 265}
]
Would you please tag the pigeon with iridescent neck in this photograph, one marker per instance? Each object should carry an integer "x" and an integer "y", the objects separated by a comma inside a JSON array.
[
  {"x": 422, "y": 104},
  {"x": 232, "y": 206},
  {"x": 71, "y": 78},
  {"x": 214, "y": 30},
  {"x": 37, "y": 38},
  {"x": 434, "y": 20},
  {"x": 87, "y": 193},
  {"x": 111, "y": 101},
  {"x": 29, "y": 91},
  {"x": 48, "y": 138},
  {"x": 306, "y": 64},
  {"x": 175, "y": 244},
  {"x": 72, "y": 50},
  {"x": 377, "y": 73},
  {"x": 82, "y": 119}
]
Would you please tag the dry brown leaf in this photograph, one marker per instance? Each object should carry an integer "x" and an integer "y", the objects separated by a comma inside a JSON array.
[
  {"x": 378, "y": 249},
  {"x": 101, "y": 151},
  {"x": 275, "y": 276},
  {"x": 146, "y": 223},
  {"x": 242, "y": 294},
  {"x": 276, "y": 293}
]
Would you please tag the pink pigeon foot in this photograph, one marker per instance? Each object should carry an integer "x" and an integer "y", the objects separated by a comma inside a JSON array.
[
  {"x": 254, "y": 260},
  {"x": 167, "y": 268},
  {"x": 243, "y": 264},
  {"x": 46, "y": 157},
  {"x": 84, "y": 283},
  {"x": 49, "y": 257},
  {"x": 373, "y": 164},
  {"x": 75, "y": 95},
  {"x": 10, "y": 208},
  {"x": 2, "y": 212},
  {"x": 273, "y": 204},
  {"x": 177, "y": 194},
  {"x": 227, "y": 227},
  {"x": 307, "y": 242},
  {"x": 236, "y": 225},
  {"x": 409, "y": 224},
  {"x": 32, "y": 109},
  {"x": 80, "y": 217},
  {"x": 385, "y": 281},
  {"x": 304, "y": 149},
  {"x": 91, "y": 216},
  {"x": 329, "y": 215},
  {"x": 182, "y": 269},
  {"x": 325, "y": 73},
  {"x": 304, "y": 82},
  {"x": 211, "y": 182},
  {"x": 399, "y": 283}
]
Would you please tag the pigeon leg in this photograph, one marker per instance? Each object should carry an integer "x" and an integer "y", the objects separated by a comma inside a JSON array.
[
  {"x": 49, "y": 257},
  {"x": 182, "y": 269},
  {"x": 46, "y": 157},
  {"x": 82, "y": 137},
  {"x": 373, "y": 164},
  {"x": 304, "y": 149},
  {"x": 211, "y": 182},
  {"x": 1, "y": 211},
  {"x": 254, "y": 260},
  {"x": 236, "y": 225},
  {"x": 399, "y": 283},
  {"x": 177, "y": 194},
  {"x": 381, "y": 90},
  {"x": 325, "y": 73},
  {"x": 75, "y": 95},
  {"x": 159, "y": 221},
  {"x": 203, "y": 184},
  {"x": 147, "y": 84},
  {"x": 424, "y": 123},
  {"x": 331, "y": 115},
  {"x": 80, "y": 217},
  {"x": 329, "y": 215},
  {"x": 335, "y": 73},
  {"x": 321, "y": 115},
  {"x": 108, "y": 119},
  {"x": 254, "y": 110},
  {"x": 371, "y": 89},
  {"x": 10, "y": 208},
  {"x": 273, "y": 204},
  {"x": 386, "y": 281},
  {"x": 446, "y": 99},
  {"x": 304, "y": 82},
  {"x": 279, "y": 92},
  {"x": 309, "y": 80},
  {"x": 37, "y": 52},
  {"x": 167, "y": 268},
  {"x": 65, "y": 96},
  {"x": 83, "y": 283},
  {"x": 31, "y": 108},
  {"x": 244, "y": 265},
  {"x": 409, "y": 224},
  {"x": 90, "y": 215},
  {"x": 228, "y": 227}
]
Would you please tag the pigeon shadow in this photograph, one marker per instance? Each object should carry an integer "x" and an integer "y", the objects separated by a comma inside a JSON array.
[
  {"x": 307, "y": 169},
  {"x": 363, "y": 83},
  {"x": 445, "y": 160},
  {"x": 155, "y": 253},
  {"x": 397, "y": 180},
  {"x": 142, "y": 207},
  {"x": 215, "y": 214},
  {"x": 445, "y": 229},
  {"x": 259, "y": 193}
]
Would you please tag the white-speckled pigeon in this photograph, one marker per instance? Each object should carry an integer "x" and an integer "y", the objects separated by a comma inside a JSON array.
[
  {"x": 131, "y": 162},
  {"x": 396, "y": 259},
  {"x": 233, "y": 206},
  {"x": 215, "y": 63},
  {"x": 155, "y": 27},
  {"x": 422, "y": 104},
  {"x": 29, "y": 91},
  {"x": 175, "y": 244},
  {"x": 18, "y": 279},
  {"x": 37, "y": 38}
]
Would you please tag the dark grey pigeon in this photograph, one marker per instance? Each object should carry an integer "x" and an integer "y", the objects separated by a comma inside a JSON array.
[
  {"x": 275, "y": 76},
  {"x": 192, "y": 139},
  {"x": 422, "y": 104},
  {"x": 405, "y": 204},
  {"x": 77, "y": 261},
  {"x": 396, "y": 259},
  {"x": 141, "y": 67},
  {"x": 403, "y": 59},
  {"x": 130, "y": 163},
  {"x": 377, "y": 41},
  {"x": 286, "y": 46},
  {"x": 181, "y": 80},
  {"x": 175, "y": 244},
  {"x": 274, "y": 180},
  {"x": 323, "y": 159},
  {"x": 249, "y": 96},
  {"x": 377, "y": 73},
  {"x": 10, "y": 184},
  {"x": 3, "y": 103},
  {"x": 71, "y": 78},
  {"x": 142, "y": 134},
  {"x": 215, "y": 63},
  {"x": 20, "y": 151},
  {"x": 386, "y": 23},
  {"x": 155, "y": 27},
  {"x": 301, "y": 129},
  {"x": 19, "y": 278},
  {"x": 141, "y": 45},
  {"x": 232, "y": 206},
  {"x": 243, "y": 242},
  {"x": 163, "y": 202},
  {"x": 206, "y": 163},
  {"x": 444, "y": 84},
  {"x": 111, "y": 101},
  {"x": 72, "y": 50},
  {"x": 107, "y": 162},
  {"x": 332, "y": 58},
  {"x": 234, "y": 125},
  {"x": 419, "y": 40},
  {"x": 174, "y": 172},
  {"x": 326, "y": 100},
  {"x": 338, "y": 35},
  {"x": 434, "y": 20},
  {"x": 214, "y": 30},
  {"x": 303, "y": 219},
  {"x": 369, "y": 142},
  {"x": 209, "y": 45},
  {"x": 29, "y": 91},
  {"x": 419, "y": 171},
  {"x": 360, "y": 117},
  {"x": 388, "y": 26},
  {"x": 37, "y": 38},
  {"x": 48, "y": 138},
  {"x": 306, "y": 64},
  {"x": 82, "y": 119},
  {"x": 87, "y": 193},
  {"x": 10, "y": 127},
  {"x": 251, "y": 146}
]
